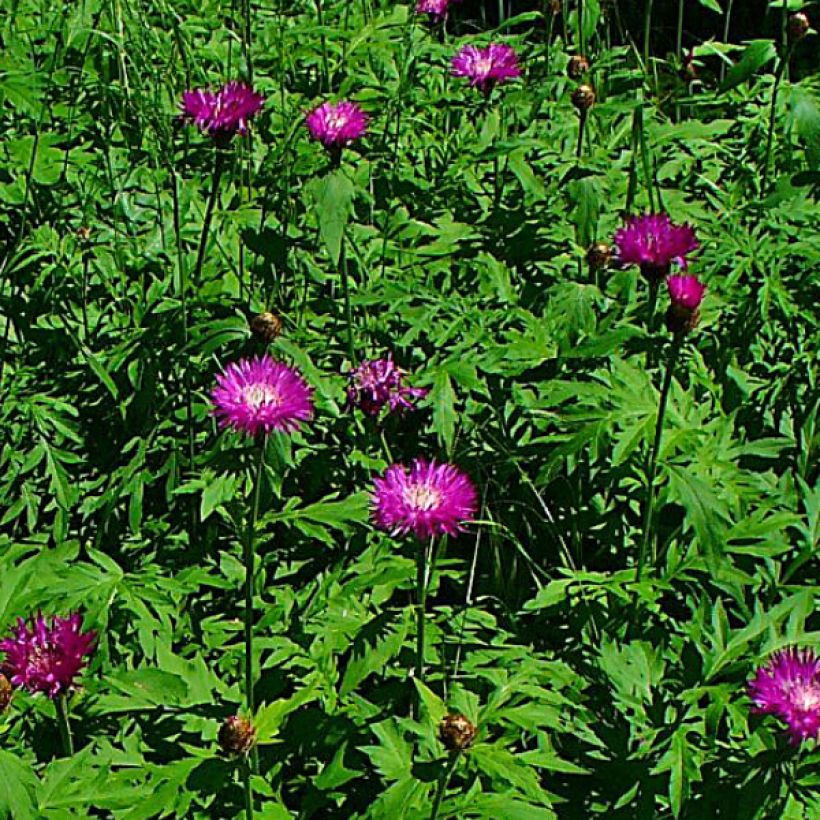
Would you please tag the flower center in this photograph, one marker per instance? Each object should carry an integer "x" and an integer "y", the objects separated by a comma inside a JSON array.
[
  {"x": 260, "y": 394},
  {"x": 806, "y": 697},
  {"x": 422, "y": 497},
  {"x": 336, "y": 120},
  {"x": 483, "y": 66}
]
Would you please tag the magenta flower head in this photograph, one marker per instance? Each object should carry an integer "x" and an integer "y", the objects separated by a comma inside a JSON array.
[
  {"x": 654, "y": 242},
  {"x": 788, "y": 686},
  {"x": 259, "y": 395},
  {"x": 223, "y": 113},
  {"x": 43, "y": 657},
  {"x": 686, "y": 293},
  {"x": 337, "y": 125},
  {"x": 486, "y": 67},
  {"x": 437, "y": 9},
  {"x": 377, "y": 383},
  {"x": 428, "y": 500}
]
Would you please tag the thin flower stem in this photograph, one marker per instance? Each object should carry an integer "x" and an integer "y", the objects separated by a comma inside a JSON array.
[
  {"x": 248, "y": 788},
  {"x": 253, "y": 514},
  {"x": 348, "y": 310},
  {"x": 61, "y": 705},
  {"x": 647, "y": 29},
  {"x": 781, "y": 67},
  {"x": 579, "y": 148},
  {"x": 727, "y": 18},
  {"x": 323, "y": 39},
  {"x": 651, "y": 469},
  {"x": 443, "y": 782},
  {"x": 219, "y": 163},
  {"x": 422, "y": 557}
]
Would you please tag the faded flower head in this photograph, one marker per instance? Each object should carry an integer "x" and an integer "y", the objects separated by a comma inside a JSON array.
[
  {"x": 237, "y": 735},
  {"x": 337, "y": 125},
  {"x": 456, "y": 732},
  {"x": 788, "y": 686},
  {"x": 583, "y": 98},
  {"x": 654, "y": 242},
  {"x": 259, "y": 395},
  {"x": 428, "y": 499},
  {"x": 5, "y": 693},
  {"x": 265, "y": 327},
  {"x": 799, "y": 26},
  {"x": 577, "y": 66},
  {"x": 47, "y": 657},
  {"x": 377, "y": 383},
  {"x": 599, "y": 256},
  {"x": 686, "y": 293},
  {"x": 223, "y": 113},
  {"x": 486, "y": 67}
]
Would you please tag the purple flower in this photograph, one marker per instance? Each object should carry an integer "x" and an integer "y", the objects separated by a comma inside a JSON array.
[
  {"x": 259, "y": 395},
  {"x": 428, "y": 500},
  {"x": 437, "y": 9},
  {"x": 337, "y": 125},
  {"x": 221, "y": 113},
  {"x": 686, "y": 292},
  {"x": 788, "y": 686},
  {"x": 47, "y": 658},
  {"x": 486, "y": 67},
  {"x": 378, "y": 382},
  {"x": 654, "y": 242}
]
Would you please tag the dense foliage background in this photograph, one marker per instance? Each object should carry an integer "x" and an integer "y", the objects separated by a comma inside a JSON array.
[{"x": 461, "y": 223}]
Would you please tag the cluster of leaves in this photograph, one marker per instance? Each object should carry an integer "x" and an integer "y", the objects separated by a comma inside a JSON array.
[{"x": 458, "y": 229}]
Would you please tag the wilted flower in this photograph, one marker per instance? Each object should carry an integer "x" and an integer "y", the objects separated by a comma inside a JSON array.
[
  {"x": 437, "y": 9},
  {"x": 654, "y": 242},
  {"x": 237, "y": 735},
  {"x": 486, "y": 67},
  {"x": 686, "y": 293},
  {"x": 379, "y": 382},
  {"x": 221, "y": 113},
  {"x": 337, "y": 125},
  {"x": 583, "y": 98},
  {"x": 266, "y": 327},
  {"x": 44, "y": 657},
  {"x": 788, "y": 686},
  {"x": 5, "y": 693},
  {"x": 428, "y": 500},
  {"x": 259, "y": 395},
  {"x": 577, "y": 66},
  {"x": 799, "y": 26},
  {"x": 599, "y": 256},
  {"x": 456, "y": 732}
]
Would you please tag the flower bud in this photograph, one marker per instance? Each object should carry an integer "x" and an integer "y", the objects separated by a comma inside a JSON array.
[
  {"x": 599, "y": 256},
  {"x": 456, "y": 732},
  {"x": 266, "y": 327},
  {"x": 5, "y": 693},
  {"x": 84, "y": 233},
  {"x": 686, "y": 293},
  {"x": 577, "y": 66},
  {"x": 236, "y": 735},
  {"x": 583, "y": 98},
  {"x": 798, "y": 26}
]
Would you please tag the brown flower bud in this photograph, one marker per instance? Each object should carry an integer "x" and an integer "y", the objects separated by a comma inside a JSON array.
[
  {"x": 599, "y": 256},
  {"x": 583, "y": 98},
  {"x": 456, "y": 732},
  {"x": 236, "y": 735},
  {"x": 799, "y": 26},
  {"x": 5, "y": 693},
  {"x": 555, "y": 6},
  {"x": 680, "y": 320},
  {"x": 266, "y": 327},
  {"x": 577, "y": 66},
  {"x": 84, "y": 233}
]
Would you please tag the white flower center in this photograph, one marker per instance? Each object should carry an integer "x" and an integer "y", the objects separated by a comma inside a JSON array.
[
  {"x": 483, "y": 66},
  {"x": 258, "y": 395},
  {"x": 422, "y": 497},
  {"x": 336, "y": 120},
  {"x": 806, "y": 697}
]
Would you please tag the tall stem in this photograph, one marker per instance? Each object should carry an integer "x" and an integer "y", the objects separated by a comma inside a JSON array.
[
  {"x": 421, "y": 605},
  {"x": 653, "y": 455},
  {"x": 61, "y": 704},
  {"x": 727, "y": 19},
  {"x": 348, "y": 310},
  {"x": 248, "y": 788},
  {"x": 778, "y": 76},
  {"x": 582, "y": 121},
  {"x": 442, "y": 783},
  {"x": 323, "y": 40},
  {"x": 219, "y": 163},
  {"x": 253, "y": 514},
  {"x": 647, "y": 29}
]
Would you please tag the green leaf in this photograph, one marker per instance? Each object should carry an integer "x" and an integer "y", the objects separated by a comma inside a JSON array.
[
  {"x": 333, "y": 197},
  {"x": 443, "y": 399},
  {"x": 269, "y": 718},
  {"x": 392, "y": 758},
  {"x": 17, "y": 785},
  {"x": 757, "y": 54},
  {"x": 712, "y": 5}
]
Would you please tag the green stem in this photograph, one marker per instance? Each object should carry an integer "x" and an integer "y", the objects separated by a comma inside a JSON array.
[
  {"x": 651, "y": 469},
  {"x": 647, "y": 28},
  {"x": 421, "y": 606},
  {"x": 253, "y": 514},
  {"x": 61, "y": 705},
  {"x": 348, "y": 310},
  {"x": 727, "y": 18},
  {"x": 582, "y": 121},
  {"x": 443, "y": 782},
  {"x": 323, "y": 39},
  {"x": 209, "y": 213},
  {"x": 772, "y": 111},
  {"x": 248, "y": 788}
]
